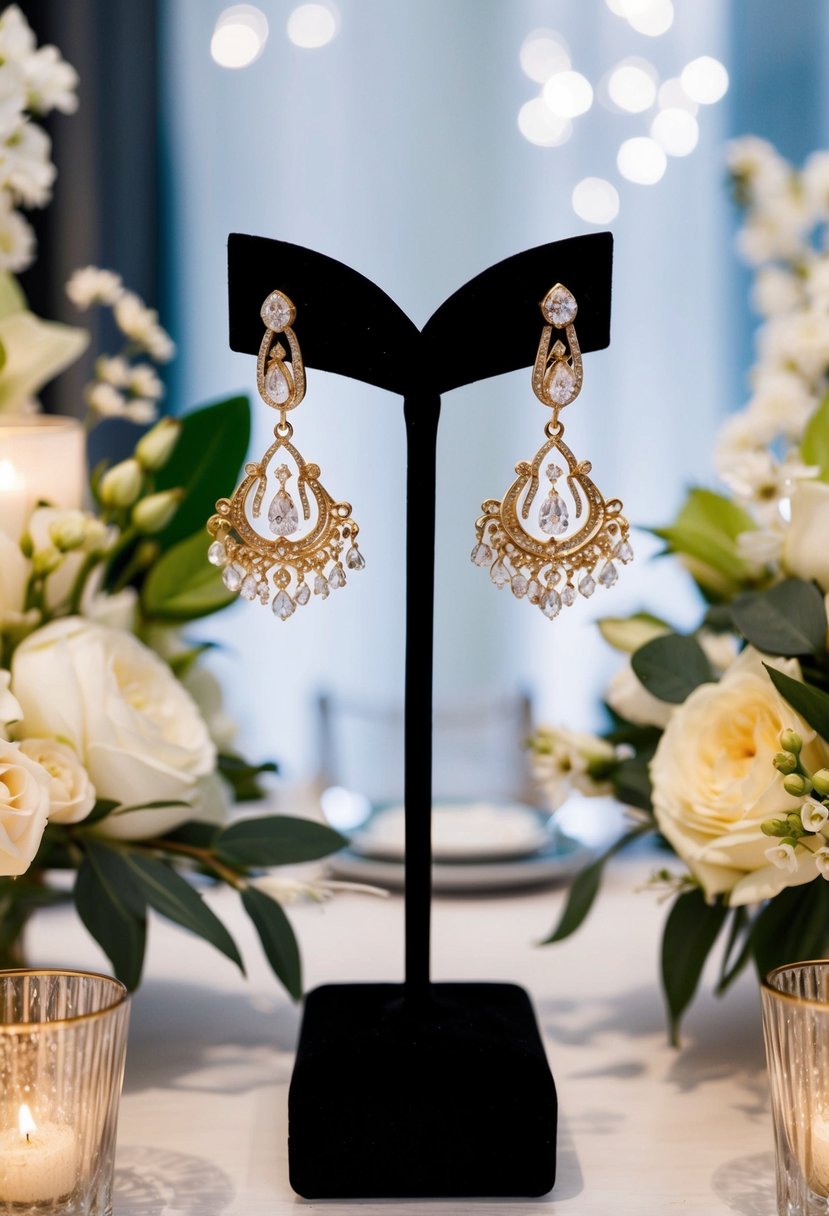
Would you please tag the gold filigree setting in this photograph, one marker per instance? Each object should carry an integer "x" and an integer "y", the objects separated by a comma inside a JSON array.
[
  {"x": 274, "y": 569},
  {"x": 552, "y": 570}
]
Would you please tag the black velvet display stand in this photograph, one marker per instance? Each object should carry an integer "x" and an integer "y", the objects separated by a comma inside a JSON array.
[{"x": 420, "y": 1089}]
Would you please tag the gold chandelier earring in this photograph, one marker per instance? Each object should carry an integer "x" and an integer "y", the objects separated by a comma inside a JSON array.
[
  {"x": 274, "y": 569},
  {"x": 580, "y": 535}
]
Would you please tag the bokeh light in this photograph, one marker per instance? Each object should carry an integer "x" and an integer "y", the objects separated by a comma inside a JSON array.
[
  {"x": 676, "y": 131},
  {"x": 312, "y": 25},
  {"x": 568, "y": 94},
  {"x": 239, "y": 36},
  {"x": 705, "y": 80},
  {"x": 595, "y": 200},
  {"x": 641, "y": 160},
  {"x": 540, "y": 125},
  {"x": 543, "y": 53}
]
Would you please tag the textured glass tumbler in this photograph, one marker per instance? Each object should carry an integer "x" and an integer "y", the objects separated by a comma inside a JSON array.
[
  {"x": 63, "y": 1037},
  {"x": 795, "y": 1001}
]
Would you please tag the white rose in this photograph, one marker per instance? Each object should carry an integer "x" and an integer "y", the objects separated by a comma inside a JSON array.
[
  {"x": 714, "y": 783},
  {"x": 629, "y": 698},
  {"x": 24, "y": 808},
  {"x": 135, "y": 728},
  {"x": 71, "y": 793},
  {"x": 805, "y": 551}
]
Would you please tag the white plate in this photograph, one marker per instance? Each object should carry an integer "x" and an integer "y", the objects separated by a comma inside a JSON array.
[
  {"x": 461, "y": 831},
  {"x": 563, "y": 857}
]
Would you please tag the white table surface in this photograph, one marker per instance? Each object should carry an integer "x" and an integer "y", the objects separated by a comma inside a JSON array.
[{"x": 643, "y": 1129}]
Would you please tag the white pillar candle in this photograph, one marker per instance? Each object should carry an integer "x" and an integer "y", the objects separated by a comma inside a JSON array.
[
  {"x": 37, "y": 1163},
  {"x": 41, "y": 458}
]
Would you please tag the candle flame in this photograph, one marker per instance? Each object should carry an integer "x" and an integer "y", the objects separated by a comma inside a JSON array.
[
  {"x": 9, "y": 477},
  {"x": 25, "y": 1121}
]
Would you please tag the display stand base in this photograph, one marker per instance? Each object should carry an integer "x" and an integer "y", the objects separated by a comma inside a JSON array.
[{"x": 447, "y": 1095}]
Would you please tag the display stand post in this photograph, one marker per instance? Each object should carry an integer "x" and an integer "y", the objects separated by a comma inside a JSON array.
[{"x": 420, "y": 1089}]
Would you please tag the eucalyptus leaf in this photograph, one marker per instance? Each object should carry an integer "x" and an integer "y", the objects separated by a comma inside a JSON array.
[
  {"x": 276, "y": 840},
  {"x": 809, "y": 702},
  {"x": 243, "y": 777},
  {"x": 277, "y": 938},
  {"x": 671, "y": 667},
  {"x": 172, "y": 896},
  {"x": 737, "y": 951},
  {"x": 205, "y": 462},
  {"x": 183, "y": 584},
  {"x": 789, "y": 619},
  {"x": 632, "y": 783},
  {"x": 814, "y": 447},
  {"x": 585, "y": 888},
  {"x": 111, "y": 907},
  {"x": 690, "y": 931},
  {"x": 792, "y": 927}
]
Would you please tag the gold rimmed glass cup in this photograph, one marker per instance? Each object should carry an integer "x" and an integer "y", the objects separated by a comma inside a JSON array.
[{"x": 63, "y": 1037}]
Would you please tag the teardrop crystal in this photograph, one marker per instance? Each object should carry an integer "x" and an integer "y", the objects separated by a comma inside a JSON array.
[
  {"x": 609, "y": 575},
  {"x": 336, "y": 578},
  {"x": 568, "y": 595},
  {"x": 276, "y": 384},
  {"x": 264, "y": 591},
  {"x": 217, "y": 554},
  {"x": 551, "y": 604},
  {"x": 553, "y": 517},
  {"x": 283, "y": 606},
  {"x": 560, "y": 306},
  {"x": 481, "y": 555},
  {"x": 624, "y": 553},
  {"x": 561, "y": 383},
  {"x": 282, "y": 514},
  {"x": 534, "y": 591},
  {"x": 232, "y": 576},
  {"x": 303, "y": 594},
  {"x": 499, "y": 574},
  {"x": 321, "y": 586},
  {"x": 587, "y": 585},
  {"x": 519, "y": 586},
  {"x": 354, "y": 559},
  {"x": 248, "y": 590},
  {"x": 277, "y": 311}
]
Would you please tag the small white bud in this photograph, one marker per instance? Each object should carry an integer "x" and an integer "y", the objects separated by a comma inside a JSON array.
[{"x": 121, "y": 485}]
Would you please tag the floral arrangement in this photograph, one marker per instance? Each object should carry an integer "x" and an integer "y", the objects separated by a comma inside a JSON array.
[
  {"x": 719, "y": 738},
  {"x": 116, "y": 770}
]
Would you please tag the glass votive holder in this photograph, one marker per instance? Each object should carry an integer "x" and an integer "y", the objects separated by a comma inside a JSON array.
[
  {"x": 63, "y": 1038},
  {"x": 795, "y": 1001}
]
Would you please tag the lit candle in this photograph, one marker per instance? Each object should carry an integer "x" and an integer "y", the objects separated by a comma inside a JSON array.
[
  {"x": 41, "y": 458},
  {"x": 37, "y": 1163},
  {"x": 818, "y": 1173}
]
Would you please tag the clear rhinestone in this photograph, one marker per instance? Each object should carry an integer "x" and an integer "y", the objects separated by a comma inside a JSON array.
[
  {"x": 568, "y": 595},
  {"x": 337, "y": 578},
  {"x": 232, "y": 576},
  {"x": 609, "y": 575},
  {"x": 587, "y": 585},
  {"x": 554, "y": 472},
  {"x": 264, "y": 591},
  {"x": 282, "y": 514},
  {"x": 551, "y": 604},
  {"x": 248, "y": 590},
  {"x": 560, "y": 306},
  {"x": 499, "y": 574},
  {"x": 553, "y": 517},
  {"x": 276, "y": 384},
  {"x": 534, "y": 591},
  {"x": 277, "y": 311},
  {"x": 303, "y": 594},
  {"x": 217, "y": 554},
  {"x": 354, "y": 559},
  {"x": 519, "y": 586},
  {"x": 482, "y": 555},
  {"x": 561, "y": 383},
  {"x": 624, "y": 553},
  {"x": 321, "y": 586},
  {"x": 283, "y": 606}
]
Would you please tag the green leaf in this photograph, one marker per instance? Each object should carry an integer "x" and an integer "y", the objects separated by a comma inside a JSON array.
[
  {"x": 183, "y": 663},
  {"x": 706, "y": 531},
  {"x": 789, "y": 619},
  {"x": 585, "y": 888},
  {"x": 195, "y": 832},
  {"x": 243, "y": 777},
  {"x": 792, "y": 927},
  {"x": 173, "y": 897},
  {"x": 671, "y": 667},
  {"x": 277, "y": 840},
  {"x": 814, "y": 448},
  {"x": 12, "y": 298},
  {"x": 205, "y": 462},
  {"x": 632, "y": 782},
  {"x": 112, "y": 908},
  {"x": 691, "y": 929},
  {"x": 810, "y": 703},
  {"x": 277, "y": 938},
  {"x": 183, "y": 585},
  {"x": 629, "y": 633},
  {"x": 733, "y": 965},
  {"x": 102, "y": 808}
]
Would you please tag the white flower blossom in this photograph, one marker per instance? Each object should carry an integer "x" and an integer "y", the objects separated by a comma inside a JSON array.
[
  {"x": 51, "y": 82},
  {"x": 159, "y": 345},
  {"x": 141, "y": 411},
  {"x": 815, "y": 181},
  {"x": 761, "y": 547},
  {"x": 94, "y": 286},
  {"x": 106, "y": 400},
  {"x": 564, "y": 760},
  {"x": 813, "y": 815},
  {"x": 133, "y": 317},
  {"x": 782, "y": 856},
  {"x": 143, "y": 382},
  {"x": 26, "y": 168},
  {"x": 817, "y": 283},
  {"x": 775, "y": 291},
  {"x": 114, "y": 370},
  {"x": 17, "y": 239},
  {"x": 821, "y": 857},
  {"x": 17, "y": 40},
  {"x": 776, "y": 230}
]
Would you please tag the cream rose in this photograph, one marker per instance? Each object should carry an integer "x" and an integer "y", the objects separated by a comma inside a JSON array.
[
  {"x": 805, "y": 552},
  {"x": 24, "y": 808},
  {"x": 714, "y": 783},
  {"x": 628, "y": 697},
  {"x": 135, "y": 728},
  {"x": 71, "y": 793}
]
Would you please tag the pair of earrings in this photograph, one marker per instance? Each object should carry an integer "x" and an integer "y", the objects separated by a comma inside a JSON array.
[{"x": 549, "y": 570}]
